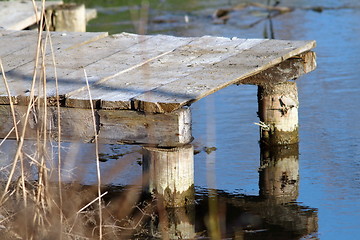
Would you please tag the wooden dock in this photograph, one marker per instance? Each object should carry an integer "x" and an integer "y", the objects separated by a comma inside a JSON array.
[
  {"x": 142, "y": 87},
  {"x": 18, "y": 15}
]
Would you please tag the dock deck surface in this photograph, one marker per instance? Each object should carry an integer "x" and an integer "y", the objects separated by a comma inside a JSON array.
[
  {"x": 18, "y": 15},
  {"x": 145, "y": 73}
]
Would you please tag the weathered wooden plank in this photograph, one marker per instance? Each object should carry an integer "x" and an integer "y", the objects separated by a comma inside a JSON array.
[
  {"x": 121, "y": 126},
  {"x": 19, "y": 64},
  {"x": 126, "y": 126},
  {"x": 157, "y": 73},
  {"x": 71, "y": 62},
  {"x": 118, "y": 92},
  {"x": 119, "y": 76},
  {"x": 15, "y": 39},
  {"x": 24, "y": 44},
  {"x": 101, "y": 59},
  {"x": 18, "y": 15},
  {"x": 219, "y": 75}
]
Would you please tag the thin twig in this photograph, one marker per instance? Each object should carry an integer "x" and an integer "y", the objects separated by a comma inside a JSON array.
[
  {"x": 9, "y": 133},
  {"x": 10, "y": 100},
  {"x": 87, "y": 205}
]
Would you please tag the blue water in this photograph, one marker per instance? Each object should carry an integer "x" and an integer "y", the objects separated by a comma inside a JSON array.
[
  {"x": 328, "y": 115},
  {"x": 329, "y": 126}
]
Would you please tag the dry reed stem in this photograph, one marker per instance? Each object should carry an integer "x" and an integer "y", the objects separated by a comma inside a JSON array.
[
  {"x": 9, "y": 133},
  {"x": 10, "y": 100},
  {"x": 89, "y": 204},
  {"x": 58, "y": 122},
  {"x": 97, "y": 154},
  {"x": 41, "y": 195},
  {"x": 21, "y": 139},
  {"x": 37, "y": 201}
]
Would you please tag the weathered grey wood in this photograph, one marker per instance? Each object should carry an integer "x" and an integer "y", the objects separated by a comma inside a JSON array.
[
  {"x": 175, "y": 64},
  {"x": 70, "y": 64},
  {"x": 170, "y": 174},
  {"x": 124, "y": 74},
  {"x": 278, "y": 113},
  {"x": 128, "y": 127},
  {"x": 19, "y": 64},
  {"x": 16, "y": 39},
  {"x": 68, "y": 17},
  {"x": 102, "y": 60},
  {"x": 219, "y": 75},
  {"x": 291, "y": 68},
  {"x": 159, "y": 73},
  {"x": 166, "y": 130},
  {"x": 24, "y": 44},
  {"x": 18, "y": 15}
]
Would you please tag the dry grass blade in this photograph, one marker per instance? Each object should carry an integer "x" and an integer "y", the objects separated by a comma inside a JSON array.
[
  {"x": 89, "y": 204},
  {"x": 10, "y": 100},
  {"x": 8, "y": 134},
  {"x": 30, "y": 105},
  {"x": 97, "y": 154},
  {"x": 59, "y": 165}
]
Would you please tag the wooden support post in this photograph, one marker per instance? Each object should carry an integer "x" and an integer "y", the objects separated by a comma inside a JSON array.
[
  {"x": 278, "y": 113},
  {"x": 170, "y": 174},
  {"x": 66, "y": 18},
  {"x": 279, "y": 172}
]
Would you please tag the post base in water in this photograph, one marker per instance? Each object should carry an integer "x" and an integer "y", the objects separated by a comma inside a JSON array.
[{"x": 169, "y": 174}]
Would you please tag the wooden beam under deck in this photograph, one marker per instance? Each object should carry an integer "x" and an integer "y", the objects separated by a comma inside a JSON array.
[{"x": 113, "y": 126}]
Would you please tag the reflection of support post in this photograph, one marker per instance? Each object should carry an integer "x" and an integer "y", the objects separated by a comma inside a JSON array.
[
  {"x": 278, "y": 112},
  {"x": 170, "y": 173},
  {"x": 66, "y": 17},
  {"x": 182, "y": 223},
  {"x": 174, "y": 223},
  {"x": 279, "y": 172}
]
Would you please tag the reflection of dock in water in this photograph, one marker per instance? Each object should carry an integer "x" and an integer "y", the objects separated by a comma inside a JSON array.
[
  {"x": 259, "y": 218},
  {"x": 273, "y": 214}
]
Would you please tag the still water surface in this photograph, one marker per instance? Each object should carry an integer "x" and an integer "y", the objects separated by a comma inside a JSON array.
[
  {"x": 329, "y": 159},
  {"x": 329, "y": 149}
]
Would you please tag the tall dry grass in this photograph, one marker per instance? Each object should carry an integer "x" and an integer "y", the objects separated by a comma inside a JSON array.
[{"x": 47, "y": 208}]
